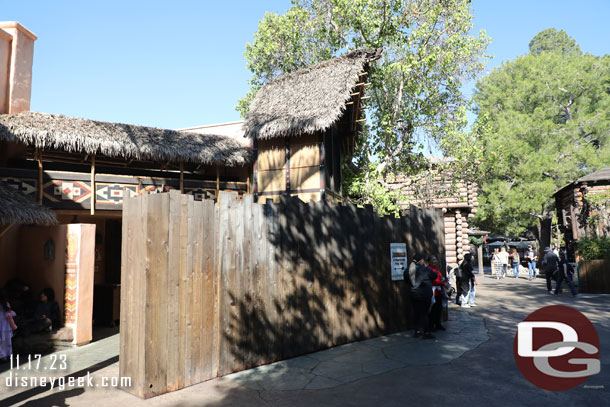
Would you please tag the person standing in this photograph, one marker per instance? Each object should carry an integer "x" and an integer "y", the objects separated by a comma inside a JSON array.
[
  {"x": 496, "y": 264},
  {"x": 504, "y": 259},
  {"x": 550, "y": 264},
  {"x": 421, "y": 297},
  {"x": 530, "y": 256},
  {"x": 467, "y": 283},
  {"x": 515, "y": 260},
  {"x": 566, "y": 272},
  {"x": 436, "y": 312},
  {"x": 7, "y": 326}
]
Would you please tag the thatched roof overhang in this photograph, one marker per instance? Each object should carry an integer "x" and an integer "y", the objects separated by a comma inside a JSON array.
[
  {"x": 18, "y": 208},
  {"x": 308, "y": 100},
  {"x": 117, "y": 140}
]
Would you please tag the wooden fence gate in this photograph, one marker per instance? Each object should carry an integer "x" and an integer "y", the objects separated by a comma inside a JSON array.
[{"x": 209, "y": 288}]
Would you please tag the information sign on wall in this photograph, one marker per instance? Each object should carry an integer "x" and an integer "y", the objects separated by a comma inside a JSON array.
[{"x": 398, "y": 255}]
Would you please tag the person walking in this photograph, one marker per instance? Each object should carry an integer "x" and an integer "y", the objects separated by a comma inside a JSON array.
[
  {"x": 504, "y": 259},
  {"x": 421, "y": 297},
  {"x": 550, "y": 265},
  {"x": 496, "y": 263},
  {"x": 530, "y": 256},
  {"x": 566, "y": 272},
  {"x": 515, "y": 261}
]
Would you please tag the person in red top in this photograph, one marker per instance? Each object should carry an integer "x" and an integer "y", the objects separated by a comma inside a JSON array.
[{"x": 436, "y": 312}]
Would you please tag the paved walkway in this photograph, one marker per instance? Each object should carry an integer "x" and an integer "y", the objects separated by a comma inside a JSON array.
[
  {"x": 349, "y": 363},
  {"x": 471, "y": 363}
]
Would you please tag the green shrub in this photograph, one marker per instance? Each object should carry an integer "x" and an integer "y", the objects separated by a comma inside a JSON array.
[{"x": 594, "y": 248}]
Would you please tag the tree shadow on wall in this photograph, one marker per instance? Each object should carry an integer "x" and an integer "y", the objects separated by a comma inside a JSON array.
[{"x": 327, "y": 280}]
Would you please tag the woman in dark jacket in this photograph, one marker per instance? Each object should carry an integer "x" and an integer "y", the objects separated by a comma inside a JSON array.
[{"x": 421, "y": 298}]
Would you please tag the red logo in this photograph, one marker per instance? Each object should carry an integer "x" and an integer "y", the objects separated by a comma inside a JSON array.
[{"x": 557, "y": 348}]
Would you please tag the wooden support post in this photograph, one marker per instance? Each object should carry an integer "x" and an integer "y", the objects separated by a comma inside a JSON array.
[
  {"x": 93, "y": 184},
  {"x": 6, "y": 228},
  {"x": 248, "y": 184},
  {"x": 480, "y": 258},
  {"x": 217, "y": 183},
  {"x": 40, "y": 186},
  {"x": 181, "y": 177}
]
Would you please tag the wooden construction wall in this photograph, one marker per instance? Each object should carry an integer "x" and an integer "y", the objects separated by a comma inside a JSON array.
[
  {"x": 593, "y": 276},
  {"x": 209, "y": 289}
]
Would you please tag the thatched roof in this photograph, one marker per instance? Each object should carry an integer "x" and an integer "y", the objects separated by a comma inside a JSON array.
[
  {"x": 117, "y": 140},
  {"x": 18, "y": 208},
  {"x": 307, "y": 100}
]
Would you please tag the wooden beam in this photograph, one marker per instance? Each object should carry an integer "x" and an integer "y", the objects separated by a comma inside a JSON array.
[
  {"x": 217, "y": 183},
  {"x": 181, "y": 177},
  {"x": 93, "y": 184},
  {"x": 114, "y": 214},
  {"x": 6, "y": 228},
  {"x": 40, "y": 173},
  {"x": 248, "y": 182}
]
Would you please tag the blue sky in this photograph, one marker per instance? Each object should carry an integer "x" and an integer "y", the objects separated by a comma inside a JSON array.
[{"x": 180, "y": 63}]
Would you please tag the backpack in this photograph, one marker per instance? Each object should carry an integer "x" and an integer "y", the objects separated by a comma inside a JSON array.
[
  {"x": 407, "y": 275},
  {"x": 459, "y": 274}
]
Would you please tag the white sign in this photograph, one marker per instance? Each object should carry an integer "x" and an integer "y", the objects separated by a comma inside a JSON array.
[{"x": 398, "y": 255}]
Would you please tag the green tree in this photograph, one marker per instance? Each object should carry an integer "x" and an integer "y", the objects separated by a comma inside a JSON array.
[
  {"x": 543, "y": 121},
  {"x": 554, "y": 41},
  {"x": 415, "y": 89}
]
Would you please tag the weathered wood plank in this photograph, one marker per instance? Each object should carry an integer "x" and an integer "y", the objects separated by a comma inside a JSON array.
[
  {"x": 227, "y": 301},
  {"x": 156, "y": 295},
  {"x": 248, "y": 295},
  {"x": 196, "y": 291},
  {"x": 209, "y": 308},
  {"x": 174, "y": 297}
]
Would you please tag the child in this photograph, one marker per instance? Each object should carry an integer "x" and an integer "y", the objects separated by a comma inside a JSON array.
[{"x": 7, "y": 326}]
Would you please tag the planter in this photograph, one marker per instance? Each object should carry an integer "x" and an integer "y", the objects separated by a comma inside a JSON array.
[{"x": 594, "y": 276}]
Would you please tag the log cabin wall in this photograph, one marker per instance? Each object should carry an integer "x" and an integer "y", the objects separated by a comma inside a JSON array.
[
  {"x": 457, "y": 199},
  {"x": 571, "y": 210}
]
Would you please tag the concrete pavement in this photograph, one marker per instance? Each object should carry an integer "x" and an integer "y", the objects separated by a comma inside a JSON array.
[{"x": 471, "y": 363}]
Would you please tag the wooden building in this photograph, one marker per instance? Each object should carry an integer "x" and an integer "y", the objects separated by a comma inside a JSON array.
[
  {"x": 62, "y": 183},
  {"x": 81, "y": 169},
  {"x": 458, "y": 200},
  {"x": 303, "y": 123},
  {"x": 574, "y": 209}
]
